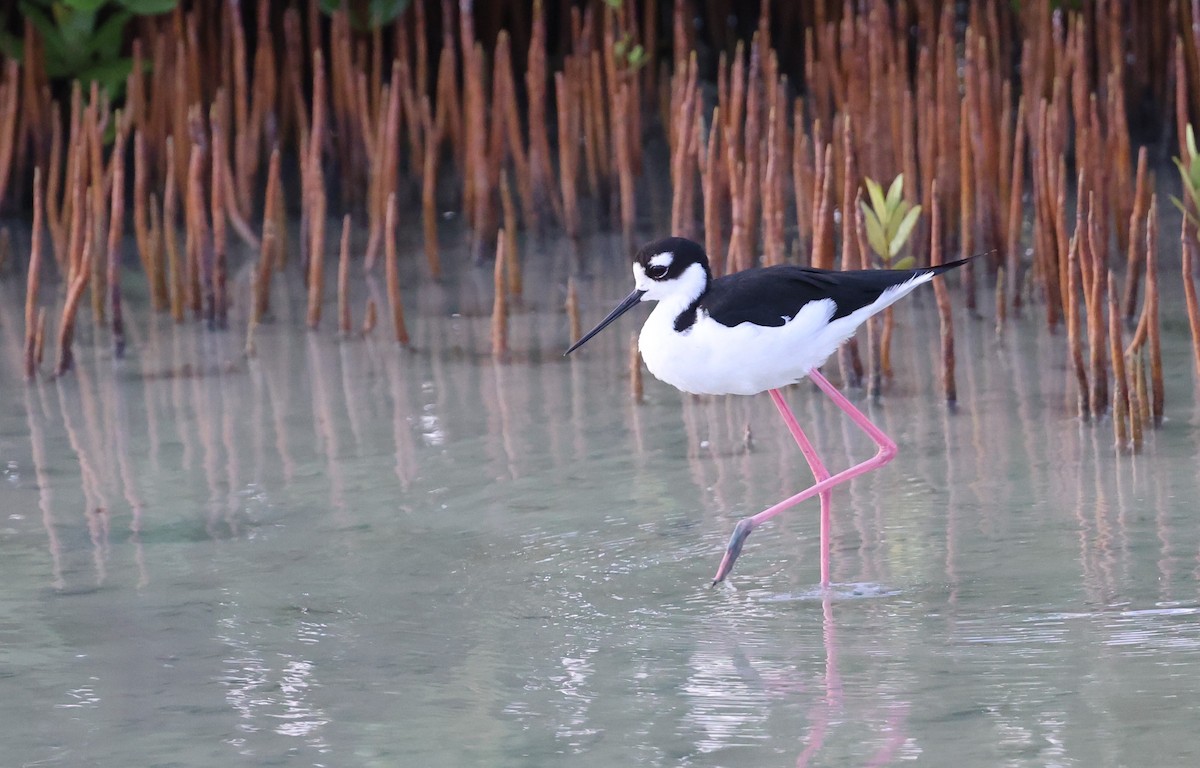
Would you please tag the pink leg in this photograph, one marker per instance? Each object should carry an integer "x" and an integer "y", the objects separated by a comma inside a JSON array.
[
  {"x": 886, "y": 452},
  {"x": 819, "y": 473}
]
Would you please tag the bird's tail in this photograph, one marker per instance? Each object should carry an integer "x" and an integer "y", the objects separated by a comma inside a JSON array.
[{"x": 947, "y": 266}]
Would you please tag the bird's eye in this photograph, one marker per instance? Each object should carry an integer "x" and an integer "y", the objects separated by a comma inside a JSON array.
[{"x": 656, "y": 271}]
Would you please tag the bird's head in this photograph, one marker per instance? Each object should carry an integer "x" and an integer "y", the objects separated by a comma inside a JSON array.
[{"x": 672, "y": 269}]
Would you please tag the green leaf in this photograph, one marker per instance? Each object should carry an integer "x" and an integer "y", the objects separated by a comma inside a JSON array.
[
  {"x": 106, "y": 43},
  {"x": 1192, "y": 188},
  {"x": 1191, "y": 216},
  {"x": 110, "y": 74},
  {"x": 904, "y": 230},
  {"x": 76, "y": 27},
  {"x": 386, "y": 11},
  {"x": 895, "y": 192},
  {"x": 85, "y": 6},
  {"x": 874, "y": 232},
  {"x": 905, "y": 263},
  {"x": 1191, "y": 142},
  {"x": 876, "y": 193},
  {"x": 149, "y": 7},
  {"x": 894, "y": 217},
  {"x": 1194, "y": 195},
  {"x": 371, "y": 15},
  {"x": 1182, "y": 206},
  {"x": 637, "y": 57}
]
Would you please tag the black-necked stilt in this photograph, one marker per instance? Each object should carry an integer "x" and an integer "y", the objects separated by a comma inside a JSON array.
[{"x": 755, "y": 330}]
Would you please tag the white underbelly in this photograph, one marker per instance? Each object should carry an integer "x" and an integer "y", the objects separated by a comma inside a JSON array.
[{"x": 714, "y": 359}]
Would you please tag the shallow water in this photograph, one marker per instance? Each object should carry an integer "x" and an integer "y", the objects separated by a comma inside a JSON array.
[{"x": 340, "y": 553}]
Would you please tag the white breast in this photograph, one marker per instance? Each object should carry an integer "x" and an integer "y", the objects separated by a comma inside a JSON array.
[{"x": 714, "y": 359}]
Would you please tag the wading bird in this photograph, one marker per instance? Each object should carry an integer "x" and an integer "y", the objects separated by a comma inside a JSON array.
[{"x": 759, "y": 330}]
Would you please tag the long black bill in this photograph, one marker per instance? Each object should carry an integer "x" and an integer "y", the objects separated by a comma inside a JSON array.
[{"x": 626, "y": 304}]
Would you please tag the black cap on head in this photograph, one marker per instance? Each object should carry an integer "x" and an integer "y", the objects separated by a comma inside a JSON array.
[{"x": 683, "y": 253}]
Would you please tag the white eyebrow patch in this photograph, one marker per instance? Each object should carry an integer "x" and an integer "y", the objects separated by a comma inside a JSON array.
[{"x": 662, "y": 259}]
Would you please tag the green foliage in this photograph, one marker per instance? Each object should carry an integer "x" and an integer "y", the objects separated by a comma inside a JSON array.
[
  {"x": 634, "y": 57},
  {"x": 1189, "y": 174},
  {"x": 82, "y": 39},
  {"x": 367, "y": 15},
  {"x": 890, "y": 221}
]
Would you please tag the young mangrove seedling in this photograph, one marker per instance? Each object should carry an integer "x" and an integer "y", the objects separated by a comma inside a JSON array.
[
  {"x": 1189, "y": 175},
  {"x": 890, "y": 220}
]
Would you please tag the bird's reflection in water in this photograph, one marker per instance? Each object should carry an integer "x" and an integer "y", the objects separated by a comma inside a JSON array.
[
  {"x": 827, "y": 706},
  {"x": 737, "y": 692}
]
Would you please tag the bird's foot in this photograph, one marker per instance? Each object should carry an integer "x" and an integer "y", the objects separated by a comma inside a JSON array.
[{"x": 733, "y": 549}]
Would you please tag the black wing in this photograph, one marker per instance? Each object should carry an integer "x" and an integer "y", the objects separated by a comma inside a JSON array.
[{"x": 766, "y": 296}]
